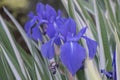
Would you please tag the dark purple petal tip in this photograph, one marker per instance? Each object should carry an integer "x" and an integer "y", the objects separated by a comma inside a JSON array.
[{"x": 108, "y": 74}]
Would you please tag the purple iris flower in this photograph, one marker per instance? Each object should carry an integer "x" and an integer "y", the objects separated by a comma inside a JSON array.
[
  {"x": 45, "y": 17},
  {"x": 72, "y": 54},
  {"x": 62, "y": 32}
]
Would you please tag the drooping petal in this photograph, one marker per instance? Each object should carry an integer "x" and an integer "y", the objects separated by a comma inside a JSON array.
[
  {"x": 36, "y": 34},
  {"x": 47, "y": 49},
  {"x": 72, "y": 56},
  {"x": 29, "y": 24},
  {"x": 92, "y": 46}
]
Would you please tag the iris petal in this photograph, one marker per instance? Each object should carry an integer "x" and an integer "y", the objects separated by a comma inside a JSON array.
[
  {"x": 50, "y": 13},
  {"x": 40, "y": 9},
  {"x": 114, "y": 66},
  {"x": 29, "y": 24},
  {"x": 51, "y": 30},
  {"x": 36, "y": 34},
  {"x": 68, "y": 27},
  {"x": 57, "y": 41},
  {"x": 80, "y": 34},
  {"x": 72, "y": 56},
  {"x": 60, "y": 23},
  {"x": 108, "y": 74},
  {"x": 31, "y": 15},
  {"x": 92, "y": 47},
  {"x": 59, "y": 14},
  {"x": 47, "y": 49}
]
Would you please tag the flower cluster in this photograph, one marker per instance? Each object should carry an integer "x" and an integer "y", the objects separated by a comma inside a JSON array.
[{"x": 61, "y": 32}]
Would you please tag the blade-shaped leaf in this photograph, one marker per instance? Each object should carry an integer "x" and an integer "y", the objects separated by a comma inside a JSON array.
[{"x": 117, "y": 55}]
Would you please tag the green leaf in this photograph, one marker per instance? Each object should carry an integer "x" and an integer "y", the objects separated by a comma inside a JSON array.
[
  {"x": 88, "y": 5},
  {"x": 41, "y": 62},
  {"x": 117, "y": 55},
  {"x": 101, "y": 49},
  {"x": 72, "y": 13},
  {"x": 87, "y": 18},
  {"x": 12, "y": 67},
  {"x": 5, "y": 41},
  {"x": 5, "y": 72},
  {"x": 17, "y": 53},
  {"x": 110, "y": 10},
  {"x": 91, "y": 71}
]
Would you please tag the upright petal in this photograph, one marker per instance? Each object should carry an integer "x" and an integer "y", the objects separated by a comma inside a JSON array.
[
  {"x": 68, "y": 27},
  {"x": 80, "y": 34},
  {"x": 57, "y": 41},
  {"x": 31, "y": 15},
  {"x": 72, "y": 56},
  {"x": 92, "y": 46},
  {"x": 40, "y": 9},
  {"x": 59, "y": 14},
  {"x": 60, "y": 23},
  {"x": 47, "y": 49},
  {"x": 50, "y": 13}
]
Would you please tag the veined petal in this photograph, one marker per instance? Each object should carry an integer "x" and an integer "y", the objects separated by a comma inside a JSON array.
[
  {"x": 47, "y": 49},
  {"x": 72, "y": 56},
  {"x": 92, "y": 46},
  {"x": 36, "y": 34}
]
